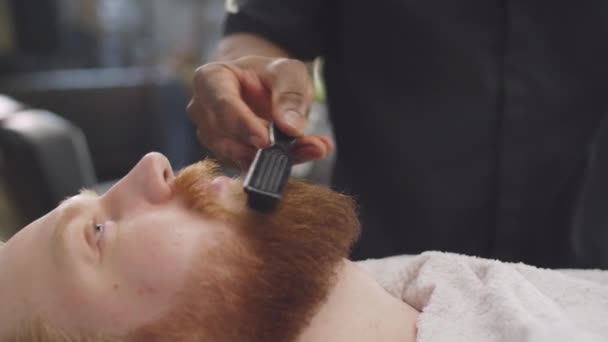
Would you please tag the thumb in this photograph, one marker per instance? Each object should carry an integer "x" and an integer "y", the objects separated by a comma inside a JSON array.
[
  {"x": 292, "y": 93},
  {"x": 292, "y": 111}
]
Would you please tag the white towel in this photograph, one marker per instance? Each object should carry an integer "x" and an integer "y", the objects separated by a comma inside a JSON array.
[{"x": 463, "y": 298}]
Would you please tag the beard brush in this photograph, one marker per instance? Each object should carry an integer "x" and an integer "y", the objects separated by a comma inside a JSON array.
[{"x": 267, "y": 176}]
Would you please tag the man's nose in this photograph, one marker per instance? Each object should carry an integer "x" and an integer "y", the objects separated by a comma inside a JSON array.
[{"x": 149, "y": 181}]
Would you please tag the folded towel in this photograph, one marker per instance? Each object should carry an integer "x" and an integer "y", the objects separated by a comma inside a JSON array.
[{"x": 464, "y": 298}]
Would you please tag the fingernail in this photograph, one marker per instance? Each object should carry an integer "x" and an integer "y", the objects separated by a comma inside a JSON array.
[{"x": 294, "y": 119}]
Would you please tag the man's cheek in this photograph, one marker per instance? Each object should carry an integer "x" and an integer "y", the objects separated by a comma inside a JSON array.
[{"x": 151, "y": 265}]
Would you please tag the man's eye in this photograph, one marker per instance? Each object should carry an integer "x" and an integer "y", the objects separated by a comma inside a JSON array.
[{"x": 99, "y": 229}]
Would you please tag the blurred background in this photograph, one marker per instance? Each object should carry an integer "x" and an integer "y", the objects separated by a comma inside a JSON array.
[
  {"x": 117, "y": 74},
  {"x": 118, "y": 67}
]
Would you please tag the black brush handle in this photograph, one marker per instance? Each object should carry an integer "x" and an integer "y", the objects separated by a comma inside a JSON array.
[
  {"x": 268, "y": 174},
  {"x": 280, "y": 139}
]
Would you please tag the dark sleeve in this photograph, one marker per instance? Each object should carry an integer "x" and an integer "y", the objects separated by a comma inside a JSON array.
[{"x": 299, "y": 26}]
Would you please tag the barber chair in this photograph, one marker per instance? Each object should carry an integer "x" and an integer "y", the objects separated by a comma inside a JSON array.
[
  {"x": 45, "y": 159},
  {"x": 8, "y": 107},
  {"x": 123, "y": 112}
]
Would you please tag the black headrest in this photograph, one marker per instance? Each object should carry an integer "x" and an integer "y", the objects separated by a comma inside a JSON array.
[{"x": 46, "y": 159}]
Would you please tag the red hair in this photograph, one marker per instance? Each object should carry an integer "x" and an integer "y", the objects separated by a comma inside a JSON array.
[{"x": 267, "y": 284}]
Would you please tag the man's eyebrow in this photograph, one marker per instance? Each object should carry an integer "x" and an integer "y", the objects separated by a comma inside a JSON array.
[{"x": 87, "y": 193}]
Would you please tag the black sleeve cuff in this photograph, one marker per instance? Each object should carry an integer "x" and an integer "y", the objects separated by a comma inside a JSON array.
[{"x": 304, "y": 41}]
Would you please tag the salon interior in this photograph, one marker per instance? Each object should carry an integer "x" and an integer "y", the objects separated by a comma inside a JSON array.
[{"x": 87, "y": 87}]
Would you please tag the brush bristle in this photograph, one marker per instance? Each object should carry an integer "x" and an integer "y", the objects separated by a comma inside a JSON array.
[
  {"x": 267, "y": 177},
  {"x": 269, "y": 173}
]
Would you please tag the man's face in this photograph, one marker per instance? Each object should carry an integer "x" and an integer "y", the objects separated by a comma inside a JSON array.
[
  {"x": 66, "y": 268},
  {"x": 172, "y": 257}
]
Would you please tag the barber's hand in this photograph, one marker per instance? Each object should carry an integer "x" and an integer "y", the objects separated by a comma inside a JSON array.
[{"x": 234, "y": 102}]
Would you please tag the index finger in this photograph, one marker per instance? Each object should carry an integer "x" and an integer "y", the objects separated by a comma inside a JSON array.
[{"x": 217, "y": 92}]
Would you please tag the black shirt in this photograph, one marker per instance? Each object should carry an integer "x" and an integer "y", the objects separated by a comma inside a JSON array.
[{"x": 461, "y": 126}]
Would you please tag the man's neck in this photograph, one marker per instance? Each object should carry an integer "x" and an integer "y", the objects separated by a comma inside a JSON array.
[{"x": 358, "y": 309}]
